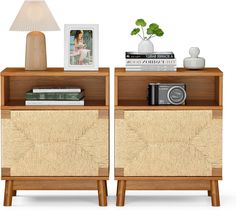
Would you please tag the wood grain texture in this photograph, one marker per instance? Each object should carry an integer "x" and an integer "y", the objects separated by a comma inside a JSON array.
[
  {"x": 35, "y": 53},
  {"x": 102, "y": 197},
  {"x": 55, "y": 143},
  {"x": 94, "y": 86},
  {"x": 120, "y": 198},
  {"x": 4, "y": 90},
  {"x": 103, "y": 172},
  {"x": 119, "y": 172},
  {"x": 216, "y": 171},
  {"x": 167, "y": 185},
  {"x": 54, "y": 178},
  {"x": 8, "y": 193},
  {"x": 120, "y": 71},
  {"x": 55, "y": 185},
  {"x": 215, "y": 197},
  {"x": 168, "y": 143},
  {"x": 5, "y": 114},
  {"x": 6, "y": 172},
  {"x": 168, "y": 178},
  {"x": 102, "y": 71},
  {"x": 135, "y": 88}
]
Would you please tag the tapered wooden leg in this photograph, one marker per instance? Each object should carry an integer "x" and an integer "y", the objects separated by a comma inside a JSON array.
[
  {"x": 102, "y": 198},
  {"x": 209, "y": 193},
  {"x": 120, "y": 198},
  {"x": 117, "y": 188},
  {"x": 8, "y": 193},
  {"x": 106, "y": 188},
  {"x": 14, "y": 193},
  {"x": 215, "y": 198}
]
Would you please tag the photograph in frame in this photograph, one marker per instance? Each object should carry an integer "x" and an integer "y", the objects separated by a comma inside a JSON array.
[{"x": 81, "y": 47}]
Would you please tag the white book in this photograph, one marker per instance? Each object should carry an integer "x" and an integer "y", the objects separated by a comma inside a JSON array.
[
  {"x": 151, "y": 62},
  {"x": 57, "y": 90},
  {"x": 45, "y": 102},
  {"x": 151, "y": 68}
]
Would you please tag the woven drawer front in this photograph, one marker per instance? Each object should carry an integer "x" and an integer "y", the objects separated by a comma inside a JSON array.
[
  {"x": 54, "y": 143},
  {"x": 168, "y": 143}
]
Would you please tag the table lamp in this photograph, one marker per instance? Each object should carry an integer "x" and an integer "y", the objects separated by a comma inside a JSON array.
[{"x": 35, "y": 16}]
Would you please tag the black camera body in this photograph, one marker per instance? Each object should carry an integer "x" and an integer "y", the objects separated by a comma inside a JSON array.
[{"x": 166, "y": 93}]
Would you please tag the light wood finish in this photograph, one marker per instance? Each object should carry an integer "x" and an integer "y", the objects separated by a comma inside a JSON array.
[
  {"x": 54, "y": 72},
  {"x": 102, "y": 193},
  {"x": 190, "y": 105},
  {"x": 120, "y": 71},
  {"x": 169, "y": 178},
  {"x": 55, "y": 185},
  {"x": 54, "y": 178},
  {"x": 168, "y": 147},
  {"x": 107, "y": 90},
  {"x": 5, "y": 114},
  {"x": 168, "y": 185},
  {"x": 6, "y": 172},
  {"x": 116, "y": 96},
  {"x": 50, "y": 152},
  {"x": 94, "y": 86},
  {"x": 17, "y": 81},
  {"x": 120, "y": 199},
  {"x": 89, "y": 105},
  {"x": 8, "y": 193},
  {"x": 215, "y": 198},
  {"x": 219, "y": 89},
  {"x": 55, "y": 147},
  {"x": 35, "y": 54},
  {"x": 204, "y": 88},
  {"x": 156, "y": 143},
  {"x": 4, "y": 92}
]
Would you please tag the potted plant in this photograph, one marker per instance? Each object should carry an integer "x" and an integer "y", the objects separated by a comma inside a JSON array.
[{"x": 146, "y": 34}]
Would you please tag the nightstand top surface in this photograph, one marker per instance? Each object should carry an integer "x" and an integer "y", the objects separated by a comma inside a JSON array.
[
  {"x": 121, "y": 71},
  {"x": 53, "y": 72}
]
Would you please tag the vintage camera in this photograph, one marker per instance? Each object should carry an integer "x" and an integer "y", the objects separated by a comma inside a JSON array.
[{"x": 166, "y": 93}]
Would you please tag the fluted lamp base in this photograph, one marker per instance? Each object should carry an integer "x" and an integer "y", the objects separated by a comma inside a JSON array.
[{"x": 35, "y": 54}]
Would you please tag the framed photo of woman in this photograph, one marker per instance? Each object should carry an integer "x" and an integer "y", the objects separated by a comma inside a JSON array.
[{"x": 81, "y": 47}]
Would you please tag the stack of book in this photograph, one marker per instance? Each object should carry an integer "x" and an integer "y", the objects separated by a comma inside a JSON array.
[
  {"x": 156, "y": 61},
  {"x": 55, "y": 96}
]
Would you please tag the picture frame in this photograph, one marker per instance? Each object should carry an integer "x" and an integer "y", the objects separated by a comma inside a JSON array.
[{"x": 81, "y": 47}]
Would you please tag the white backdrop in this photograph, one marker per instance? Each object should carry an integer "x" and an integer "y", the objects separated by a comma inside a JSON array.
[{"x": 208, "y": 24}]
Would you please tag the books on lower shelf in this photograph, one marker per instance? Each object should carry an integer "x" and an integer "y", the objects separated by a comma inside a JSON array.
[
  {"x": 56, "y": 90},
  {"x": 48, "y": 102},
  {"x": 156, "y": 61},
  {"x": 55, "y": 96}
]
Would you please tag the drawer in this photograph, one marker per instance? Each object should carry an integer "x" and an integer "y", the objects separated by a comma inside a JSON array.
[
  {"x": 168, "y": 143},
  {"x": 55, "y": 143}
]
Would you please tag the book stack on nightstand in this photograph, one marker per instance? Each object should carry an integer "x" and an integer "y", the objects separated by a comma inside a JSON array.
[
  {"x": 55, "y": 96},
  {"x": 156, "y": 61}
]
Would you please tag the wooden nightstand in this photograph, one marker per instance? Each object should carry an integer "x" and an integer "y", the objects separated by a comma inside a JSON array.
[
  {"x": 168, "y": 147},
  {"x": 55, "y": 147}
]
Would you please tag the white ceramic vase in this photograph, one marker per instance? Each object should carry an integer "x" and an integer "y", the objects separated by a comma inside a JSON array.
[{"x": 146, "y": 46}]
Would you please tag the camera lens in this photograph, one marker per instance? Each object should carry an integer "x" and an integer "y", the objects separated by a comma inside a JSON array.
[
  {"x": 176, "y": 95},
  {"x": 152, "y": 94}
]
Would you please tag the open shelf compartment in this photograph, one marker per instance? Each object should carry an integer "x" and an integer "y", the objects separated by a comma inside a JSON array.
[
  {"x": 16, "y": 83},
  {"x": 204, "y": 91}
]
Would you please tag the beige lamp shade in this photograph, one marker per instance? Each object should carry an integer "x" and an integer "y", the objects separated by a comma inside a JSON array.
[{"x": 34, "y": 15}]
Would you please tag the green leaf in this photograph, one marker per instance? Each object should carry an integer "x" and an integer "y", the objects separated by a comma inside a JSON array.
[
  {"x": 159, "y": 32},
  {"x": 149, "y": 31},
  {"x": 135, "y": 31},
  {"x": 141, "y": 22},
  {"x": 153, "y": 26}
]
